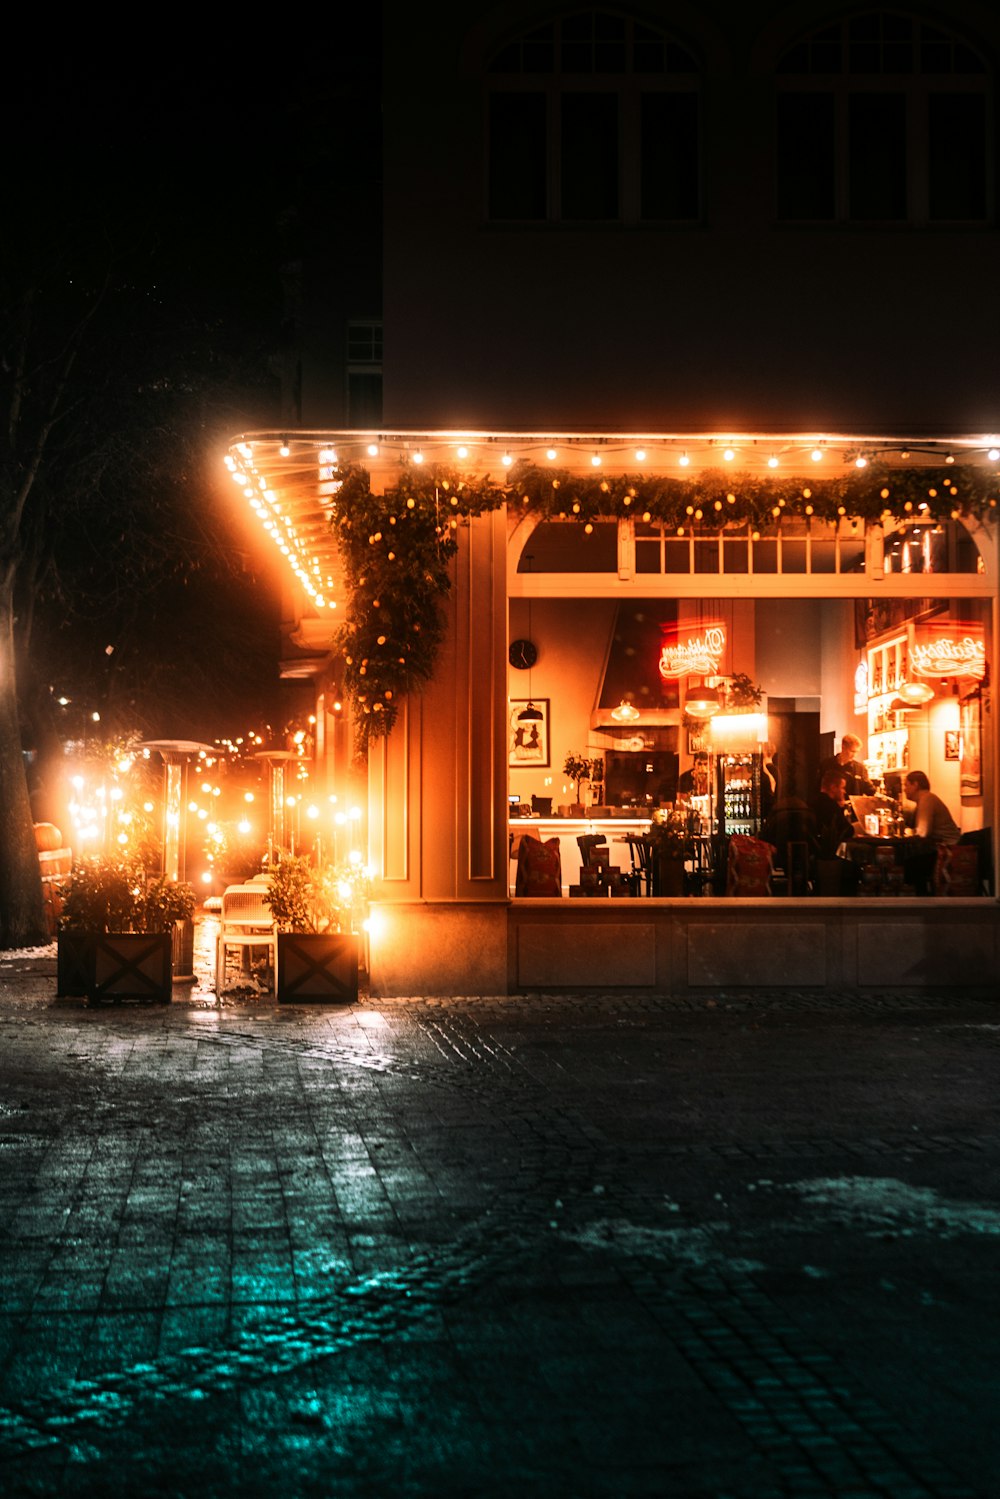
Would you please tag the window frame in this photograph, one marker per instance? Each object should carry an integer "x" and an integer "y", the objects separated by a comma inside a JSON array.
[
  {"x": 628, "y": 87},
  {"x": 917, "y": 89}
]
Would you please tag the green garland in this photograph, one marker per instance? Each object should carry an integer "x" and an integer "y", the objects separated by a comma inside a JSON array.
[{"x": 397, "y": 546}]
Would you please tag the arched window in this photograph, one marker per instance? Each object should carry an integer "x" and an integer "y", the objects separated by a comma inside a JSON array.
[
  {"x": 883, "y": 118},
  {"x": 593, "y": 118}
]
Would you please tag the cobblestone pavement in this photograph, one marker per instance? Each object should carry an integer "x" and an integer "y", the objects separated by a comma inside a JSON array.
[{"x": 557, "y": 1245}]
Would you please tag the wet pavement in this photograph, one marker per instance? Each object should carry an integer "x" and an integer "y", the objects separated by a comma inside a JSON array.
[{"x": 554, "y": 1245}]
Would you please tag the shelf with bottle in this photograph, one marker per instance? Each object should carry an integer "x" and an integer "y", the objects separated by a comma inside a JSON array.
[{"x": 889, "y": 752}]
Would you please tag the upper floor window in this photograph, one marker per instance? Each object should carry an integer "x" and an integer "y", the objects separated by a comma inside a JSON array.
[
  {"x": 364, "y": 372},
  {"x": 883, "y": 118},
  {"x": 593, "y": 118}
]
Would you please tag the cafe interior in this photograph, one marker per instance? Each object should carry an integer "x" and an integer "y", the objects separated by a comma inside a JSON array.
[{"x": 668, "y": 747}]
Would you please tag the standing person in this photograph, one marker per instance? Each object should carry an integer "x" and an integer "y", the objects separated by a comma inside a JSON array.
[
  {"x": 933, "y": 827},
  {"x": 846, "y": 759}
]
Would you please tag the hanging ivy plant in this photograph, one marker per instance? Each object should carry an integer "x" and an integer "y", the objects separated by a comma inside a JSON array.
[{"x": 397, "y": 546}]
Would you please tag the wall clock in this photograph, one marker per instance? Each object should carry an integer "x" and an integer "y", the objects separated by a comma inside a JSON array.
[{"x": 523, "y": 654}]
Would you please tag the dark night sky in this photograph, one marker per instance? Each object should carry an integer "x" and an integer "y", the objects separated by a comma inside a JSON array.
[{"x": 187, "y": 160}]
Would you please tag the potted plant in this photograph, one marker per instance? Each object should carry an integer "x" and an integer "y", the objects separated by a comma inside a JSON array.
[
  {"x": 319, "y": 912},
  {"x": 579, "y": 769},
  {"x": 671, "y": 840},
  {"x": 115, "y": 938}
]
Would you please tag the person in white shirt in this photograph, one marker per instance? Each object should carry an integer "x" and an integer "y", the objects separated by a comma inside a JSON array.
[{"x": 933, "y": 825}]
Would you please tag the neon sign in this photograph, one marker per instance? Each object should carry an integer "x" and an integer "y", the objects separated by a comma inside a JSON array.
[
  {"x": 948, "y": 650},
  {"x": 701, "y": 653}
]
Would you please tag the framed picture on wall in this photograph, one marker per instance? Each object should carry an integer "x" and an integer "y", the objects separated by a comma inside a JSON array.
[
  {"x": 970, "y": 751},
  {"x": 952, "y": 742},
  {"x": 697, "y": 742},
  {"x": 527, "y": 739}
]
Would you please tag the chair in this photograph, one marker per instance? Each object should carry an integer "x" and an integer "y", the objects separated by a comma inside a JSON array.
[
  {"x": 982, "y": 840},
  {"x": 641, "y": 878},
  {"x": 246, "y": 921},
  {"x": 956, "y": 870}
]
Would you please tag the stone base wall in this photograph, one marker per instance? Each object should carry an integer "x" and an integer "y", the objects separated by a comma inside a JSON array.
[
  {"x": 684, "y": 947},
  {"x": 695, "y": 946}
]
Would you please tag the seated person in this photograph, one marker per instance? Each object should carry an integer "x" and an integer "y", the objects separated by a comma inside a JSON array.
[
  {"x": 933, "y": 825},
  {"x": 791, "y": 821},
  {"x": 833, "y": 825},
  {"x": 847, "y": 761}
]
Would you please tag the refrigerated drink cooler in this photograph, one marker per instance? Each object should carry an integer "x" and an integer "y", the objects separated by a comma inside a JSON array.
[{"x": 737, "y": 784}]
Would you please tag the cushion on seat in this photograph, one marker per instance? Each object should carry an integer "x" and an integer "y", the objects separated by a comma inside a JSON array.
[
  {"x": 539, "y": 868},
  {"x": 956, "y": 870},
  {"x": 750, "y": 866}
]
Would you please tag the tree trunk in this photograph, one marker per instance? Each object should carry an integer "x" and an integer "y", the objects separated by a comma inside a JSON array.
[{"x": 22, "y": 913}]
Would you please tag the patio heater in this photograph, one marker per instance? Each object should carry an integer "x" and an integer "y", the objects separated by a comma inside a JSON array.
[
  {"x": 177, "y": 755},
  {"x": 276, "y": 762}
]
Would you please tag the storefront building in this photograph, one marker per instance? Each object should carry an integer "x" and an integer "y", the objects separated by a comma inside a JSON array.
[
  {"x": 741, "y": 264},
  {"x": 603, "y": 582}
]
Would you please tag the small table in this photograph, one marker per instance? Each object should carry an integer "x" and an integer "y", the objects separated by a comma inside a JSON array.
[{"x": 880, "y": 858}]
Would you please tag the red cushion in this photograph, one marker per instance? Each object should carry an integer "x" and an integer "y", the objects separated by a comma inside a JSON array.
[
  {"x": 751, "y": 863},
  {"x": 957, "y": 870},
  {"x": 539, "y": 868}
]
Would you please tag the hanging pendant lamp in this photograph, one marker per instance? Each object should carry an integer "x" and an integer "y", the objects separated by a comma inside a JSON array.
[
  {"x": 701, "y": 701},
  {"x": 529, "y": 714},
  {"x": 915, "y": 694}
]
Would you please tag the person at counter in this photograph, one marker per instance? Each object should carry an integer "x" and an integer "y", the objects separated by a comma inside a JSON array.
[
  {"x": 846, "y": 759},
  {"x": 694, "y": 781},
  {"x": 933, "y": 827}
]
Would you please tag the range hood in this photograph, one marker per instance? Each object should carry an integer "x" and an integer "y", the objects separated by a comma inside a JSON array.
[{"x": 631, "y": 677}]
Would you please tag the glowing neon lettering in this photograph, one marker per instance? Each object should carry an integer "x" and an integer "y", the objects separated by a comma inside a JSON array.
[
  {"x": 955, "y": 650},
  {"x": 693, "y": 654}
]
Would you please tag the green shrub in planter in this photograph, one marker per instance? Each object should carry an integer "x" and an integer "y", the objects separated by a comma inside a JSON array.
[
  {"x": 319, "y": 913},
  {"x": 115, "y": 931}
]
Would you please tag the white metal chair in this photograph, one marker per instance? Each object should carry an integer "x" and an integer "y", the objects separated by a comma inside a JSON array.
[{"x": 246, "y": 920}]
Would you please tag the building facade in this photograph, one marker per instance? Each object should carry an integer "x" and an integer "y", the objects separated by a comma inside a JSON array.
[{"x": 718, "y": 256}]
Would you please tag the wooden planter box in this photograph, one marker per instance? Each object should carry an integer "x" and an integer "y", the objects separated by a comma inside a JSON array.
[
  {"x": 74, "y": 963},
  {"x": 115, "y": 965},
  {"x": 317, "y": 968}
]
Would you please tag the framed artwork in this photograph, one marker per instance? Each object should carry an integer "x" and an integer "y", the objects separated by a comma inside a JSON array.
[
  {"x": 952, "y": 742},
  {"x": 697, "y": 742},
  {"x": 970, "y": 750},
  {"x": 527, "y": 742}
]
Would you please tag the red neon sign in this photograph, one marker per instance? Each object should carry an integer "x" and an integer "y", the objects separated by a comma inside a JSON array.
[
  {"x": 699, "y": 652},
  {"x": 951, "y": 649}
]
